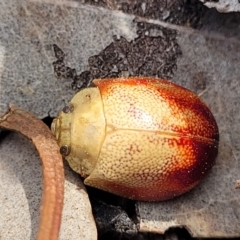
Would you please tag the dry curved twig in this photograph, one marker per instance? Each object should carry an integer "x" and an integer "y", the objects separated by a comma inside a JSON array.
[{"x": 53, "y": 174}]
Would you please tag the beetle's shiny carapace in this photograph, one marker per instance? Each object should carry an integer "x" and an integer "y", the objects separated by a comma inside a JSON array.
[{"x": 141, "y": 138}]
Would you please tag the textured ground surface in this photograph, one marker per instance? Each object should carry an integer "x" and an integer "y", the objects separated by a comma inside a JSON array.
[{"x": 182, "y": 41}]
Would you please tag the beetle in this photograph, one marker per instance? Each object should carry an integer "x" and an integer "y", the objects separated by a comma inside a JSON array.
[{"x": 141, "y": 138}]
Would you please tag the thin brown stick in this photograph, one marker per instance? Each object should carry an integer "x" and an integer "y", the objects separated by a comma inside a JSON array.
[{"x": 53, "y": 174}]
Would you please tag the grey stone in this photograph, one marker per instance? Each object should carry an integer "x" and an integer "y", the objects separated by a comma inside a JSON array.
[
  {"x": 27, "y": 31},
  {"x": 208, "y": 65}
]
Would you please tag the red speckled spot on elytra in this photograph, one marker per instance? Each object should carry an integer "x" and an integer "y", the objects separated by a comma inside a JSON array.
[
  {"x": 180, "y": 110},
  {"x": 161, "y": 140},
  {"x": 157, "y": 170}
]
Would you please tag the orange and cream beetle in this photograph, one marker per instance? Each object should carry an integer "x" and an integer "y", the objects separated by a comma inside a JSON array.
[{"x": 141, "y": 138}]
